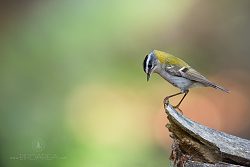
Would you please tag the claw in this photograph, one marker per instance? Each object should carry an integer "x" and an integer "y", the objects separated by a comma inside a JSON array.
[
  {"x": 177, "y": 107},
  {"x": 166, "y": 101}
]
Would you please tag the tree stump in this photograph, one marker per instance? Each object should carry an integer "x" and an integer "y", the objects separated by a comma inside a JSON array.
[{"x": 195, "y": 145}]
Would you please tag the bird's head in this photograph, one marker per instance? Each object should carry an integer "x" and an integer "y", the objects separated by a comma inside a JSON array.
[{"x": 150, "y": 64}]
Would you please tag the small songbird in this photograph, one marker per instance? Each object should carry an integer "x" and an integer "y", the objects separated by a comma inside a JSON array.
[{"x": 177, "y": 72}]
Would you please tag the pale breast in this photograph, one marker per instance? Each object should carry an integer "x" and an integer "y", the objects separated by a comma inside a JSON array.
[{"x": 180, "y": 82}]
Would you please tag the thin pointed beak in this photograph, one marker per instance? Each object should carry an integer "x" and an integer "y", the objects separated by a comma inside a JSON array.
[{"x": 148, "y": 76}]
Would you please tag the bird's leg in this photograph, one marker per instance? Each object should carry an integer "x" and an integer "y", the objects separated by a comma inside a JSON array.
[
  {"x": 165, "y": 101},
  {"x": 177, "y": 106}
]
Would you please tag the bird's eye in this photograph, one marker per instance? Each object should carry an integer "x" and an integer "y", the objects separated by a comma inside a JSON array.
[{"x": 150, "y": 65}]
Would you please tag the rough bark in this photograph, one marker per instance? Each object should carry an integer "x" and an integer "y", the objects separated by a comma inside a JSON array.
[{"x": 195, "y": 145}]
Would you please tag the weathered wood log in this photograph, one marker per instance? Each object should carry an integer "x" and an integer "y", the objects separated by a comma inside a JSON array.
[{"x": 195, "y": 145}]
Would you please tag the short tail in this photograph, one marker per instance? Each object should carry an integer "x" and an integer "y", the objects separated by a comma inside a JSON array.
[{"x": 219, "y": 87}]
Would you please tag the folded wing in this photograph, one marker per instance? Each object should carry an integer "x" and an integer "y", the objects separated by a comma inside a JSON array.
[{"x": 192, "y": 74}]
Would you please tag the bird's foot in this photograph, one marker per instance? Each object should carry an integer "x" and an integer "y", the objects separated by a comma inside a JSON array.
[
  {"x": 166, "y": 101},
  {"x": 177, "y": 107}
]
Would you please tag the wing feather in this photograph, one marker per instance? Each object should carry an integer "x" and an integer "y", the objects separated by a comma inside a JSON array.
[
  {"x": 196, "y": 76},
  {"x": 192, "y": 74}
]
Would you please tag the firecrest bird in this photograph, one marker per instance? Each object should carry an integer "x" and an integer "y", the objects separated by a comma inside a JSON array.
[{"x": 177, "y": 72}]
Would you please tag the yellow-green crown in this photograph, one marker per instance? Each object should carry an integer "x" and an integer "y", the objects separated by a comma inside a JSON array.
[{"x": 164, "y": 57}]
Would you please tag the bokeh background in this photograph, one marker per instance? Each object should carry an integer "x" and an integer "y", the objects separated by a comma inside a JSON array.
[{"x": 73, "y": 91}]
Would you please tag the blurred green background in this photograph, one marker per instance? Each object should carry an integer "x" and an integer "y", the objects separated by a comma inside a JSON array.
[{"x": 73, "y": 91}]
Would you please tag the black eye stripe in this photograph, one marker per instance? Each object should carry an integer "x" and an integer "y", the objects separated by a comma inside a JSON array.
[{"x": 145, "y": 63}]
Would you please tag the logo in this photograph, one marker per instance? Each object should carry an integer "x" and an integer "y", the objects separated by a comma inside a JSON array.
[
  {"x": 38, "y": 153},
  {"x": 38, "y": 145}
]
